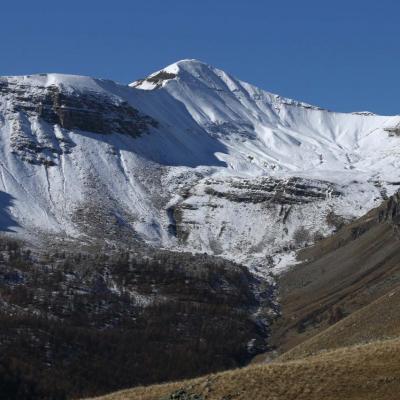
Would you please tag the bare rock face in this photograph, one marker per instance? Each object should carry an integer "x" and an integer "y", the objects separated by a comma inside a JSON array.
[
  {"x": 64, "y": 110},
  {"x": 393, "y": 130},
  {"x": 390, "y": 212},
  {"x": 91, "y": 112},
  {"x": 289, "y": 191},
  {"x": 156, "y": 80}
]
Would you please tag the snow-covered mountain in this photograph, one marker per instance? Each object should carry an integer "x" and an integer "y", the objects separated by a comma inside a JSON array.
[{"x": 188, "y": 158}]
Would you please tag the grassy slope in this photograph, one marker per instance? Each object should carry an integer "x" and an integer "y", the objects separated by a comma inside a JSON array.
[
  {"x": 320, "y": 368},
  {"x": 367, "y": 372},
  {"x": 379, "y": 320},
  {"x": 340, "y": 275}
]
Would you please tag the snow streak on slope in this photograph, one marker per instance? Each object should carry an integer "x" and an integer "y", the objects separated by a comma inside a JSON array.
[{"x": 188, "y": 158}]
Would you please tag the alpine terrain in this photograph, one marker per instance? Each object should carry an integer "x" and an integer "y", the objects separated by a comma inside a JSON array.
[
  {"x": 188, "y": 158},
  {"x": 184, "y": 224}
]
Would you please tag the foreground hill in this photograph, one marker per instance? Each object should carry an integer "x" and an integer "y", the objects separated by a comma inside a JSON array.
[{"x": 368, "y": 372}]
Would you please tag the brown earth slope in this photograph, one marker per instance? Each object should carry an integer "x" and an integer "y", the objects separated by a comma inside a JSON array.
[
  {"x": 369, "y": 372},
  {"x": 377, "y": 321},
  {"x": 340, "y": 275}
]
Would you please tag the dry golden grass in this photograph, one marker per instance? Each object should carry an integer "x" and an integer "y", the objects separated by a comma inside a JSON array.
[{"x": 364, "y": 372}]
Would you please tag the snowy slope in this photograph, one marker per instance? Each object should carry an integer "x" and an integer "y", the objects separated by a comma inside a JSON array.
[
  {"x": 276, "y": 133},
  {"x": 188, "y": 158}
]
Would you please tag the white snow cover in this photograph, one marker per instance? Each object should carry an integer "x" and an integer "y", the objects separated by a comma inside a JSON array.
[
  {"x": 262, "y": 131},
  {"x": 213, "y": 131}
]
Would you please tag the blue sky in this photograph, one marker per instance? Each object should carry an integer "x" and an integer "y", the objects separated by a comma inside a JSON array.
[{"x": 342, "y": 55}]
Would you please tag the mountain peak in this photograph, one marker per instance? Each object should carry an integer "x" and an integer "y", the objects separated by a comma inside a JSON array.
[
  {"x": 181, "y": 68},
  {"x": 186, "y": 62},
  {"x": 209, "y": 81}
]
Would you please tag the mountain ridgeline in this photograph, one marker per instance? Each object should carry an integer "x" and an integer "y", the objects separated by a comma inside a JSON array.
[{"x": 82, "y": 158}]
